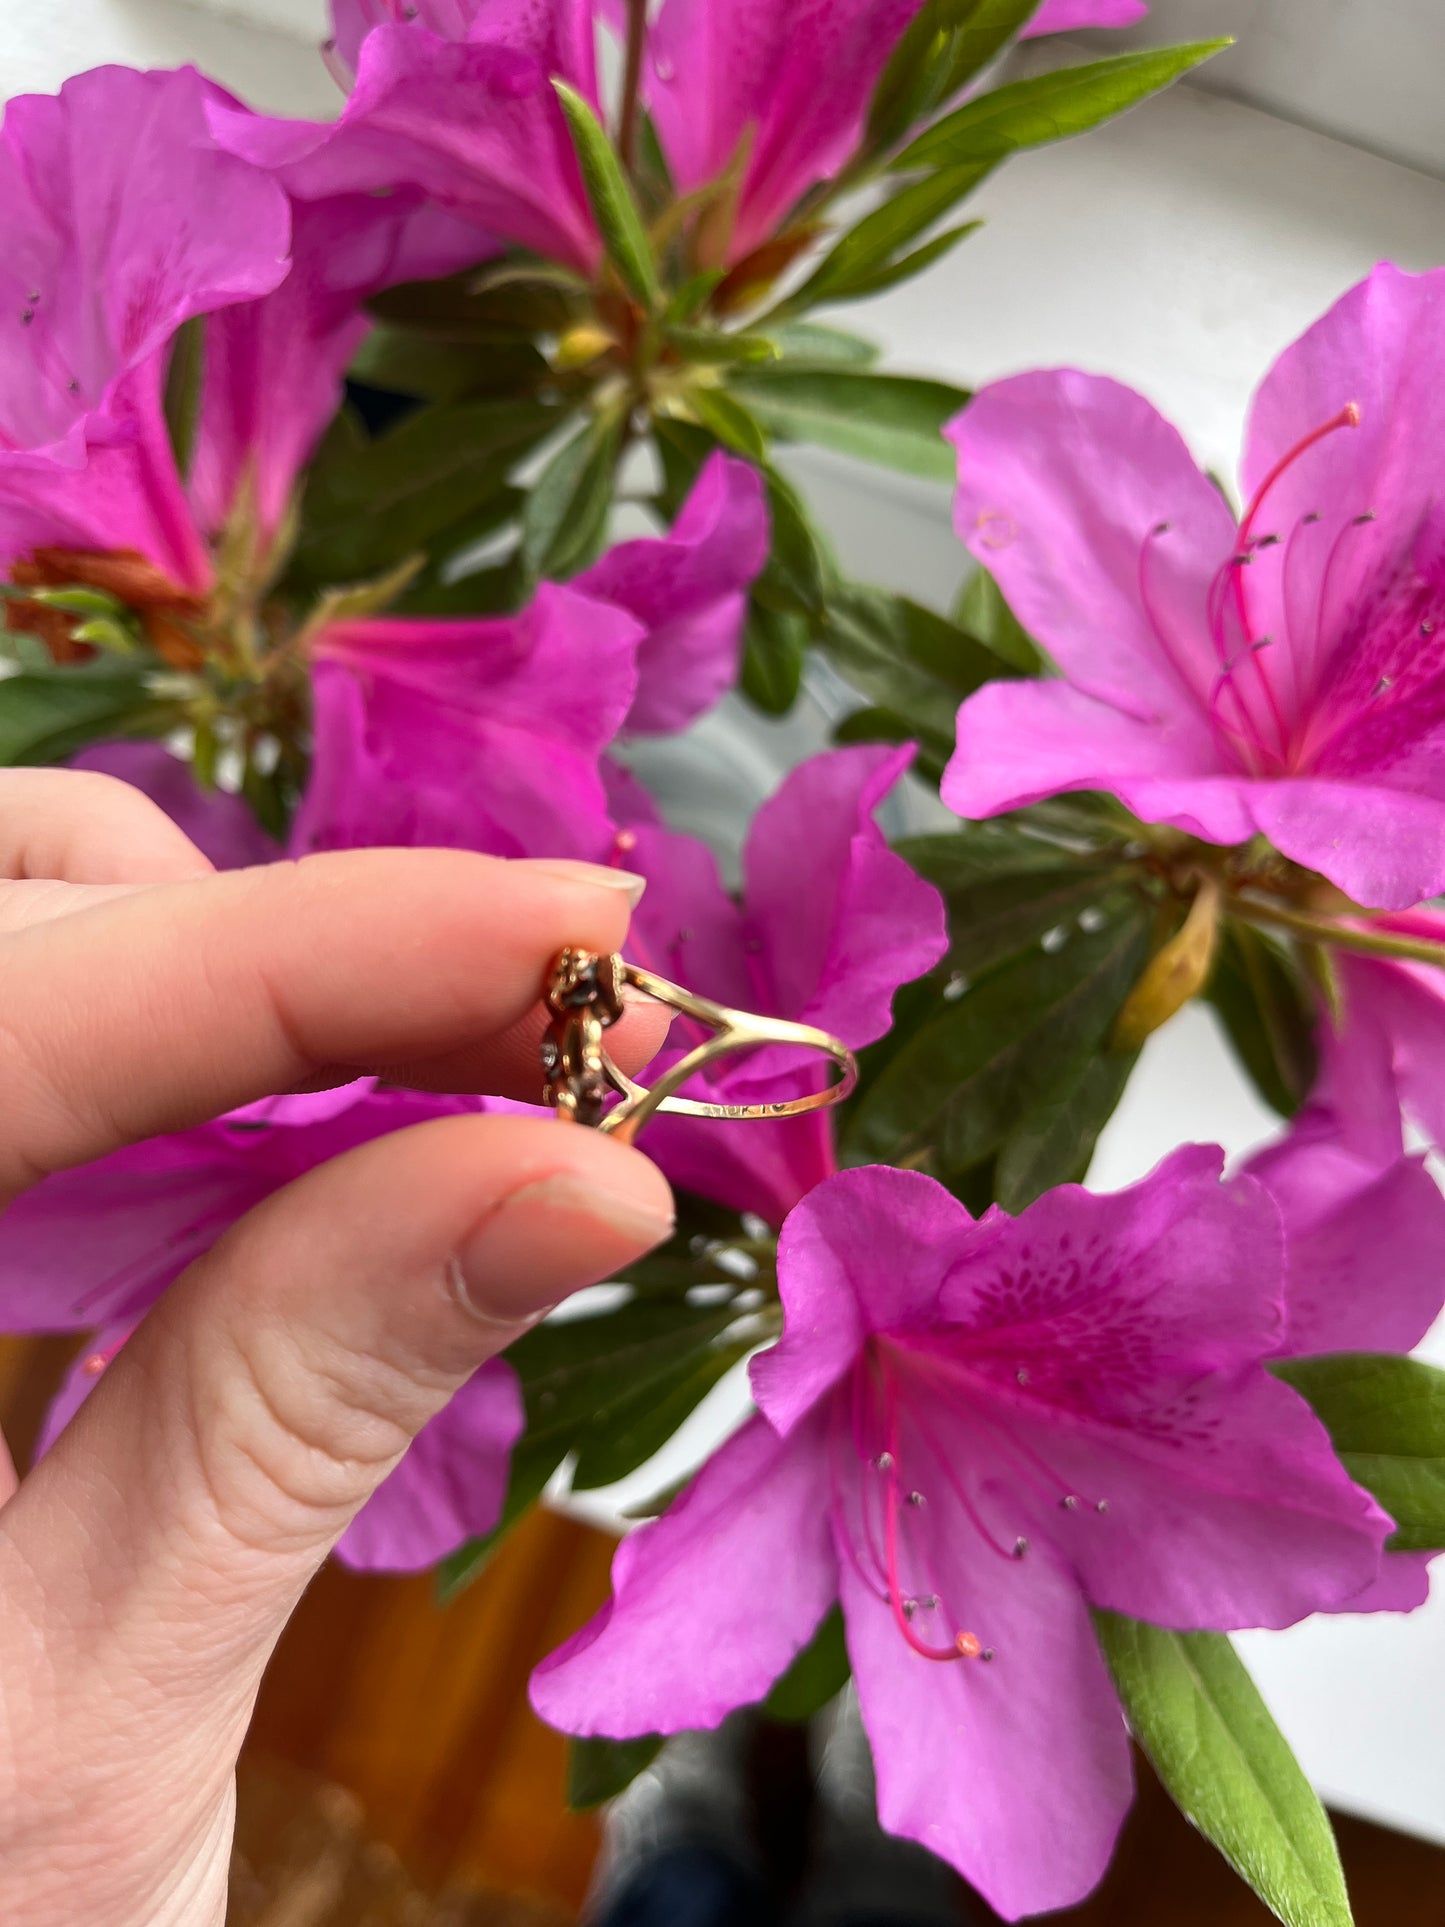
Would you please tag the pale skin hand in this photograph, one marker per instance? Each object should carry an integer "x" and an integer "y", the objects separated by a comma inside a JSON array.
[{"x": 150, "y": 1561}]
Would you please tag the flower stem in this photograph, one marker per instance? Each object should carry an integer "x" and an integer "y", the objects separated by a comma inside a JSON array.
[
  {"x": 1342, "y": 936},
  {"x": 632, "y": 82}
]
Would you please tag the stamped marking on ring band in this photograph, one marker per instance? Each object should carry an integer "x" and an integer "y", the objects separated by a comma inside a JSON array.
[{"x": 583, "y": 994}]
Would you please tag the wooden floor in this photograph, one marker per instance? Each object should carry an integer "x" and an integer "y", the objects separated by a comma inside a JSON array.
[{"x": 386, "y": 1718}]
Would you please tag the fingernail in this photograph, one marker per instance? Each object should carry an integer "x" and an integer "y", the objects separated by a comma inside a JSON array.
[
  {"x": 549, "y": 1239},
  {"x": 600, "y": 874}
]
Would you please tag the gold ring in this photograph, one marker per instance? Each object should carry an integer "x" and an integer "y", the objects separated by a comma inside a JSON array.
[{"x": 583, "y": 994}]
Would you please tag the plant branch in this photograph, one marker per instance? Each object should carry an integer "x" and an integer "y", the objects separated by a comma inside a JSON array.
[{"x": 1342, "y": 936}]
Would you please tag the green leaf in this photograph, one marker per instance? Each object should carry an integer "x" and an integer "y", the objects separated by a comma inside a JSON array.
[
  {"x": 1268, "y": 1014},
  {"x": 426, "y": 485},
  {"x": 775, "y": 647},
  {"x": 953, "y": 1090},
  {"x": 564, "y": 522},
  {"x": 858, "y": 262},
  {"x": 47, "y": 715},
  {"x": 906, "y": 658},
  {"x": 1198, "y": 1715},
  {"x": 1054, "y": 1142},
  {"x": 619, "y": 220},
  {"x": 894, "y": 420},
  {"x": 944, "y": 46},
  {"x": 812, "y": 342},
  {"x": 907, "y": 265},
  {"x": 1006, "y": 888},
  {"x": 409, "y": 362},
  {"x": 599, "y": 1770},
  {"x": 1386, "y": 1418},
  {"x": 728, "y": 421},
  {"x": 816, "y": 1676},
  {"x": 468, "y": 310},
  {"x": 1050, "y": 107},
  {"x": 792, "y": 576},
  {"x": 984, "y": 613},
  {"x": 876, "y": 724}
]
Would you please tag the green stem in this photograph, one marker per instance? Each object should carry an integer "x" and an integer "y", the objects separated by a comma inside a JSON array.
[
  {"x": 1342, "y": 936},
  {"x": 632, "y": 82}
]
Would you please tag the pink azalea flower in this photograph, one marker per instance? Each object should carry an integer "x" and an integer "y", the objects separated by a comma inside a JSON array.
[
  {"x": 1281, "y": 676},
  {"x": 97, "y": 297},
  {"x": 123, "y": 220},
  {"x": 453, "y": 97},
  {"x": 829, "y": 924},
  {"x": 94, "y": 1248},
  {"x": 970, "y": 1434},
  {"x": 487, "y": 735},
  {"x": 721, "y": 71}
]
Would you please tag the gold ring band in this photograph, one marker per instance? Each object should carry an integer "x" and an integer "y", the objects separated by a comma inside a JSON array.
[{"x": 584, "y": 996}]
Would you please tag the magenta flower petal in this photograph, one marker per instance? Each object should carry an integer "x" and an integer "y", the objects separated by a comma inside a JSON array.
[
  {"x": 711, "y": 1602},
  {"x": 835, "y": 1293},
  {"x": 112, "y": 245},
  {"x": 1077, "y": 16},
  {"x": 689, "y": 591},
  {"x": 451, "y": 1484},
  {"x": 1019, "y": 742},
  {"x": 221, "y": 826},
  {"x": 470, "y": 735},
  {"x": 1364, "y": 1224},
  {"x": 1064, "y": 481},
  {"x": 842, "y": 920},
  {"x": 274, "y": 368},
  {"x": 727, "y": 70},
  {"x": 831, "y": 923},
  {"x": 1017, "y": 1772},
  {"x": 474, "y": 125}
]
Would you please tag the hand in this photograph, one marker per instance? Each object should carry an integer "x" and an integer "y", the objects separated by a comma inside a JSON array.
[{"x": 150, "y": 1561}]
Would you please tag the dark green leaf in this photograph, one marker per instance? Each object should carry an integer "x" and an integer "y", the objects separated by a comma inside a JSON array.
[
  {"x": 856, "y": 262},
  {"x": 878, "y": 725},
  {"x": 428, "y": 483},
  {"x": 775, "y": 646},
  {"x": 1007, "y": 891},
  {"x": 962, "y": 1082},
  {"x": 638, "y": 1429},
  {"x": 816, "y": 1676},
  {"x": 1198, "y": 1715},
  {"x": 408, "y": 362},
  {"x": 564, "y": 522},
  {"x": 894, "y": 420},
  {"x": 792, "y": 577},
  {"x": 47, "y": 715},
  {"x": 618, "y": 218},
  {"x": 499, "y": 590},
  {"x": 185, "y": 375},
  {"x": 1386, "y": 1418},
  {"x": 1050, "y": 107},
  {"x": 1054, "y": 1142},
  {"x": 599, "y": 1770},
  {"x": 984, "y": 613},
  {"x": 1268, "y": 1013},
  {"x": 713, "y": 347},
  {"x": 465, "y": 310},
  {"x": 944, "y": 46},
  {"x": 909, "y": 660}
]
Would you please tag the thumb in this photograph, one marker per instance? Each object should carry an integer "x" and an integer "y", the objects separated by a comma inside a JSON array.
[{"x": 150, "y": 1561}]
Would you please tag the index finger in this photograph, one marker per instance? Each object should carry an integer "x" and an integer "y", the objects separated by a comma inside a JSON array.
[{"x": 155, "y": 1011}]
